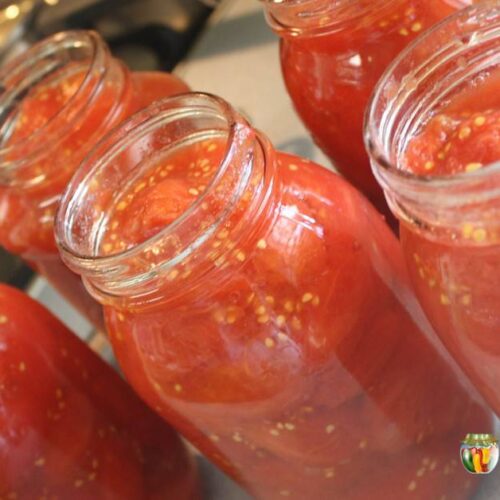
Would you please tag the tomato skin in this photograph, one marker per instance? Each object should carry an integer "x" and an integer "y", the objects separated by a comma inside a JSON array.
[
  {"x": 452, "y": 144},
  {"x": 149, "y": 86},
  {"x": 165, "y": 203},
  {"x": 69, "y": 426}
]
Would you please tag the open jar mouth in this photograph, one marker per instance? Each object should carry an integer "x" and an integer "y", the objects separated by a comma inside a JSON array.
[
  {"x": 309, "y": 17},
  {"x": 34, "y": 67},
  {"x": 294, "y": 18},
  {"x": 424, "y": 77},
  {"x": 83, "y": 214}
]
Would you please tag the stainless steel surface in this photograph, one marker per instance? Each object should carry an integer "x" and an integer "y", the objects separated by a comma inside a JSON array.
[
  {"x": 217, "y": 486},
  {"x": 13, "y": 270}
]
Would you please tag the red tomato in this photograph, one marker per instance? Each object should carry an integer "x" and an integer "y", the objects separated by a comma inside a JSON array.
[{"x": 69, "y": 426}]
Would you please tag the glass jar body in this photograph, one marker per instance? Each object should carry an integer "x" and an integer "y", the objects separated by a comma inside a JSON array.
[
  {"x": 69, "y": 426},
  {"x": 30, "y": 198},
  {"x": 301, "y": 362},
  {"x": 331, "y": 76},
  {"x": 457, "y": 285}
]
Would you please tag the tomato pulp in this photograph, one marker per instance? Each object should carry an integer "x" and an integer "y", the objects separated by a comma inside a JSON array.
[
  {"x": 69, "y": 426},
  {"x": 286, "y": 355},
  {"x": 54, "y": 126},
  {"x": 330, "y": 76},
  {"x": 457, "y": 280}
]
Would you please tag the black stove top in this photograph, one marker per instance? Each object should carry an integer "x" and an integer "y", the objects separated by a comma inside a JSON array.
[{"x": 156, "y": 33}]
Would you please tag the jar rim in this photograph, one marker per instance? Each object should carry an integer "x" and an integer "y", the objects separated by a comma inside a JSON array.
[
  {"x": 48, "y": 47},
  {"x": 108, "y": 274},
  {"x": 313, "y": 17},
  {"x": 111, "y": 145}
]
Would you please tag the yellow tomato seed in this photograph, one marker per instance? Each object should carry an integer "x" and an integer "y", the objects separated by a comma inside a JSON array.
[
  {"x": 280, "y": 320},
  {"x": 260, "y": 310},
  {"x": 173, "y": 274},
  {"x": 466, "y": 300},
  {"x": 445, "y": 300},
  {"x": 464, "y": 133},
  {"x": 416, "y": 27},
  {"x": 269, "y": 342},
  {"x": 480, "y": 121},
  {"x": 467, "y": 230},
  {"x": 472, "y": 167},
  {"x": 479, "y": 235}
]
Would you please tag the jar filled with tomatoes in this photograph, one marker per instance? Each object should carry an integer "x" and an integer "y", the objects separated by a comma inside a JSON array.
[
  {"x": 434, "y": 135},
  {"x": 332, "y": 54},
  {"x": 70, "y": 428},
  {"x": 58, "y": 98},
  {"x": 259, "y": 303}
]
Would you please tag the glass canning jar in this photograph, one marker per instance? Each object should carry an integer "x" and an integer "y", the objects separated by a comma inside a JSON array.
[
  {"x": 58, "y": 98},
  {"x": 259, "y": 303}
]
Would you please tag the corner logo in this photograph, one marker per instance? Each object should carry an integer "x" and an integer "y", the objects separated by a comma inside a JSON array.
[{"x": 479, "y": 453}]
